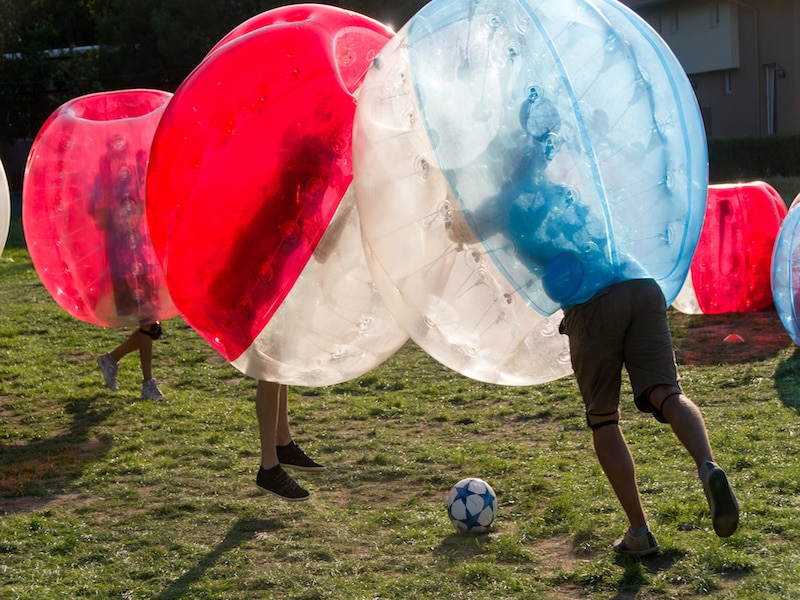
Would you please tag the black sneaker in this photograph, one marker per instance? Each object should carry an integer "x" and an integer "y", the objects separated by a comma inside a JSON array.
[
  {"x": 721, "y": 501},
  {"x": 291, "y": 455},
  {"x": 278, "y": 482}
]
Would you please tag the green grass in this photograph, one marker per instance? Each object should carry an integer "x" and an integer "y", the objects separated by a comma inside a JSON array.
[{"x": 105, "y": 495}]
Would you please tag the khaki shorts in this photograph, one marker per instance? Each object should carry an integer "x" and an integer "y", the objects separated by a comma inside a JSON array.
[{"x": 624, "y": 324}]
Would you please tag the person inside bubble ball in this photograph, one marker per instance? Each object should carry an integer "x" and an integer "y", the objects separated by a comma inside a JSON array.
[
  {"x": 117, "y": 208},
  {"x": 621, "y": 324},
  {"x": 278, "y": 448}
]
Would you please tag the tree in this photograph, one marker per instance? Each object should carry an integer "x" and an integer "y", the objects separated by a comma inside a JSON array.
[
  {"x": 157, "y": 43},
  {"x": 39, "y": 68}
]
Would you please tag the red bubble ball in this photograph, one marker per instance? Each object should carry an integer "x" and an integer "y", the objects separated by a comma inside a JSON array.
[
  {"x": 250, "y": 171},
  {"x": 730, "y": 270},
  {"x": 83, "y": 209}
]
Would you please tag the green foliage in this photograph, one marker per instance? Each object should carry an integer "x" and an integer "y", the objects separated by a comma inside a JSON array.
[
  {"x": 747, "y": 158},
  {"x": 142, "y": 44},
  {"x": 103, "y": 494}
]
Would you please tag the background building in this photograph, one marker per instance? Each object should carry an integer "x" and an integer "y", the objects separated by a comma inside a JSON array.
[{"x": 743, "y": 59}]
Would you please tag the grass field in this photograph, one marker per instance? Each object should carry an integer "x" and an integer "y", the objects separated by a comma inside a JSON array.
[{"x": 104, "y": 495}]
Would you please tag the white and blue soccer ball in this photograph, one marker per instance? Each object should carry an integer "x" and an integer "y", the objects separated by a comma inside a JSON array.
[{"x": 471, "y": 505}]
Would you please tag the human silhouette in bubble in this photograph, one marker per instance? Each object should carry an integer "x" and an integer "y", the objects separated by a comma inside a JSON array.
[
  {"x": 556, "y": 236},
  {"x": 118, "y": 209}
]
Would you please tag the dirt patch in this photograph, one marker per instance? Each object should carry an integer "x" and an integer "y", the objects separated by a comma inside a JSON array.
[
  {"x": 31, "y": 503},
  {"x": 29, "y": 464}
]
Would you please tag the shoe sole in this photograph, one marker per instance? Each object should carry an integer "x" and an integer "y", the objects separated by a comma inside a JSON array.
[
  {"x": 724, "y": 508},
  {"x": 289, "y": 499},
  {"x": 302, "y": 468},
  {"x": 625, "y": 551},
  {"x": 638, "y": 553}
]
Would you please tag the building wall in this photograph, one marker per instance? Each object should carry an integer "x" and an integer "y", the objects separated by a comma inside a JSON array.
[{"x": 743, "y": 58}]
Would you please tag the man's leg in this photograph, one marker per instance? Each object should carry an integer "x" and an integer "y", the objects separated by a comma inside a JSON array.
[
  {"x": 685, "y": 420},
  {"x": 616, "y": 460}
]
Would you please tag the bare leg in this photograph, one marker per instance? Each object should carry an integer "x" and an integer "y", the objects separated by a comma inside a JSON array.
[
  {"x": 283, "y": 435},
  {"x": 129, "y": 345},
  {"x": 616, "y": 460},
  {"x": 268, "y": 413},
  {"x": 685, "y": 419},
  {"x": 146, "y": 356}
]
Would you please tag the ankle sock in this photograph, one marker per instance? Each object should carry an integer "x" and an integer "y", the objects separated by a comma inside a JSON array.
[{"x": 640, "y": 532}]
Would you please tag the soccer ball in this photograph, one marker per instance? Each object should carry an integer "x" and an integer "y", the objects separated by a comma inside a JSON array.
[{"x": 471, "y": 505}]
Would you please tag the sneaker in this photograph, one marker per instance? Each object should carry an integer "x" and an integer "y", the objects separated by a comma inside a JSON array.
[
  {"x": 150, "y": 390},
  {"x": 292, "y": 455},
  {"x": 278, "y": 482},
  {"x": 110, "y": 368},
  {"x": 721, "y": 501},
  {"x": 644, "y": 545}
]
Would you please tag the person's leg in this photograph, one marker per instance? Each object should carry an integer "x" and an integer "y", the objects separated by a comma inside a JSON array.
[
  {"x": 685, "y": 420},
  {"x": 271, "y": 476},
  {"x": 268, "y": 413},
  {"x": 616, "y": 460},
  {"x": 597, "y": 332},
  {"x": 146, "y": 356},
  {"x": 142, "y": 339},
  {"x": 617, "y": 463},
  {"x": 129, "y": 345},
  {"x": 283, "y": 435},
  {"x": 687, "y": 423},
  {"x": 109, "y": 362},
  {"x": 289, "y": 453}
]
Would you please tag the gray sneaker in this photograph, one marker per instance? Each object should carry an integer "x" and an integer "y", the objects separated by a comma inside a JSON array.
[
  {"x": 150, "y": 390},
  {"x": 644, "y": 545},
  {"x": 110, "y": 368},
  {"x": 721, "y": 501}
]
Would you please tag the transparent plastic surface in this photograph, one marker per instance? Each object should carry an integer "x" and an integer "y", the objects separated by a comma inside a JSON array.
[
  {"x": 785, "y": 272},
  {"x": 248, "y": 199},
  {"x": 5, "y": 208},
  {"x": 83, "y": 209},
  {"x": 513, "y": 158}
]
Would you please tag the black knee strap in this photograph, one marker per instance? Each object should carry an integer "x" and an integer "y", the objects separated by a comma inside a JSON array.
[
  {"x": 597, "y": 426},
  {"x": 603, "y": 424},
  {"x": 658, "y": 413},
  {"x": 154, "y": 332}
]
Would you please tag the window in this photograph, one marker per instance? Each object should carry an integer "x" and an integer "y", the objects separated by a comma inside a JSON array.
[
  {"x": 674, "y": 22},
  {"x": 727, "y": 83},
  {"x": 713, "y": 15},
  {"x": 769, "y": 80}
]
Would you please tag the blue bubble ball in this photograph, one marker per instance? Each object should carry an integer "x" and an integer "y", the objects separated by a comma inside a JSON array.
[
  {"x": 785, "y": 274},
  {"x": 510, "y": 154}
]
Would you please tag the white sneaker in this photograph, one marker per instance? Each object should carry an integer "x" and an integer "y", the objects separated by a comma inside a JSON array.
[
  {"x": 110, "y": 368},
  {"x": 150, "y": 390}
]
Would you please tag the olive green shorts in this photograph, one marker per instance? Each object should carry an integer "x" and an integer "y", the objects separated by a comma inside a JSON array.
[{"x": 622, "y": 325}]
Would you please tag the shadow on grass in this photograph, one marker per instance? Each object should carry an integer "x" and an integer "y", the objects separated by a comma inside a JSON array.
[
  {"x": 787, "y": 381},
  {"x": 636, "y": 571},
  {"x": 462, "y": 546},
  {"x": 241, "y": 532},
  {"x": 34, "y": 474}
]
